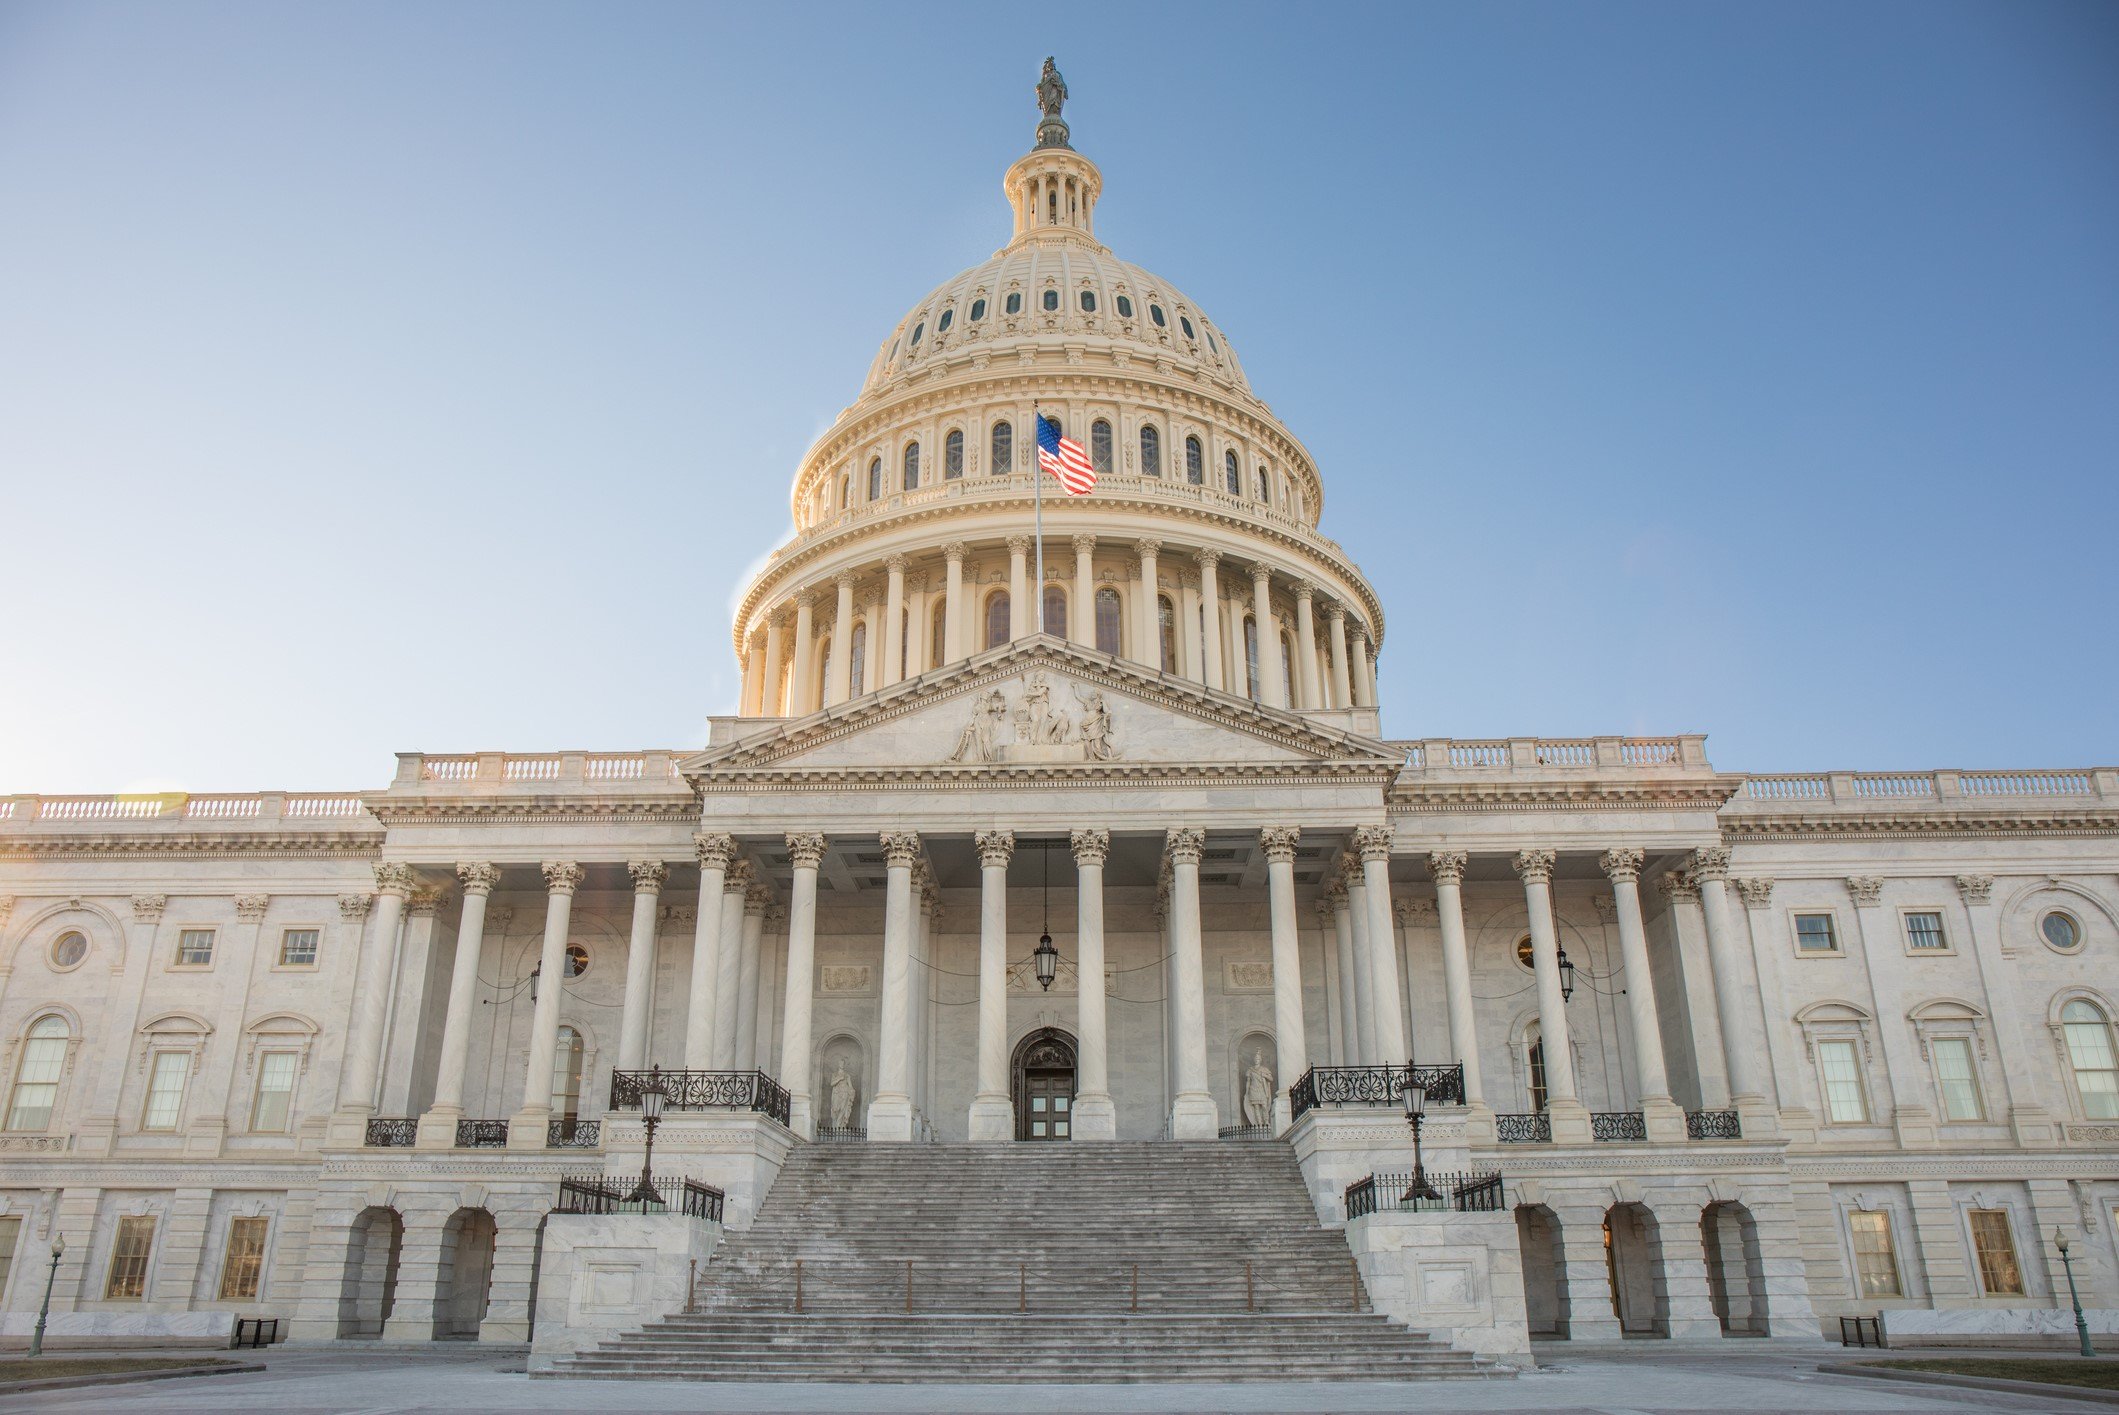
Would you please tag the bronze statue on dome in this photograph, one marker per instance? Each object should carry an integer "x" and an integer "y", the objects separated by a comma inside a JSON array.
[{"x": 1051, "y": 96}]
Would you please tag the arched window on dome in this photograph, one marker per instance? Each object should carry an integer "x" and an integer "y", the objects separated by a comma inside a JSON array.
[
  {"x": 1088, "y": 302},
  {"x": 1166, "y": 631},
  {"x": 978, "y": 310},
  {"x": 996, "y": 619},
  {"x": 912, "y": 466},
  {"x": 1195, "y": 462},
  {"x": 938, "y": 635},
  {"x": 845, "y": 490},
  {"x": 2088, "y": 1035},
  {"x": 941, "y": 326},
  {"x": 1100, "y": 447},
  {"x": 1265, "y": 486},
  {"x": 1250, "y": 655},
  {"x": 1051, "y": 300},
  {"x": 1055, "y": 611},
  {"x": 1013, "y": 304},
  {"x": 1231, "y": 477},
  {"x": 1151, "y": 452},
  {"x": 857, "y": 669},
  {"x": 1125, "y": 308},
  {"x": 1107, "y": 620},
  {"x": 875, "y": 479},
  {"x": 819, "y": 676},
  {"x": 1287, "y": 669},
  {"x": 953, "y": 455},
  {"x": 1003, "y": 450}
]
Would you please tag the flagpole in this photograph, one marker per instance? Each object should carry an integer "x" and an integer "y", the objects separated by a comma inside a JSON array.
[{"x": 1037, "y": 470}]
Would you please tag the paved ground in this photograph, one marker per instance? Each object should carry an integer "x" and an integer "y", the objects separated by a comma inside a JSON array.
[{"x": 1666, "y": 1382}]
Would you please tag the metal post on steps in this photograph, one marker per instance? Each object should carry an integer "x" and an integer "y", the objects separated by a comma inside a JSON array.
[
  {"x": 1022, "y": 1287},
  {"x": 1353, "y": 1267},
  {"x": 908, "y": 1285},
  {"x": 1136, "y": 1287},
  {"x": 1250, "y": 1293},
  {"x": 798, "y": 1284},
  {"x": 691, "y": 1287}
]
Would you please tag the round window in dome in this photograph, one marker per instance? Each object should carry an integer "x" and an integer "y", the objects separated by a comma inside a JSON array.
[
  {"x": 2061, "y": 931},
  {"x": 1182, "y": 323},
  {"x": 1088, "y": 302},
  {"x": 1014, "y": 304},
  {"x": 978, "y": 310},
  {"x": 917, "y": 331},
  {"x": 1155, "y": 312},
  {"x": 577, "y": 960},
  {"x": 941, "y": 326},
  {"x": 1052, "y": 299},
  {"x": 1125, "y": 307},
  {"x": 69, "y": 948}
]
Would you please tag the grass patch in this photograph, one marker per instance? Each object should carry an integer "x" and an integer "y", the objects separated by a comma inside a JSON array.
[
  {"x": 2059, "y": 1371},
  {"x": 46, "y": 1368}
]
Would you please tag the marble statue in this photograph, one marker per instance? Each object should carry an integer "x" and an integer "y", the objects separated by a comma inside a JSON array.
[
  {"x": 839, "y": 1094},
  {"x": 1095, "y": 726},
  {"x": 1258, "y": 1092},
  {"x": 975, "y": 743}
]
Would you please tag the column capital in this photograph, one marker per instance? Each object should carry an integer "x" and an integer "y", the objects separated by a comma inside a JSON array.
[
  {"x": 1336, "y": 613},
  {"x": 1349, "y": 871},
  {"x": 1623, "y": 864},
  {"x": 250, "y": 908},
  {"x": 147, "y": 908},
  {"x": 1278, "y": 841},
  {"x": 1866, "y": 889},
  {"x": 1302, "y": 589},
  {"x": 1207, "y": 559},
  {"x": 393, "y": 877},
  {"x": 1261, "y": 571},
  {"x": 1148, "y": 545},
  {"x": 422, "y": 901},
  {"x": 478, "y": 877},
  {"x": 1535, "y": 866},
  {"x": 1327, "y": 908},
  {"x": 758, "y": 898},
  {"x": 1091, "y": 847},
  {"x": 1710, "y": 862},
  {"x": 1373, "y": 842},
  {"x": 1185, "y": 844},
  {"x": 846, "y": 580},
  {"x": 895, "y": 564},
  {"x": 996, "y": 847},
  {"x": 1357, "y": 631},
  {"x": 1018, "y": 545},
  {"x": 738, "y": 877},
  {"x": 350, "y": 907},
  {"x": 1758, "y": 893},
  {"x": 805, "y": 598},
  {"x": 1084, "y": 543},
  {"x": 955, "y": 550},
  {"x": 1678, "y": 888},
  {"x": 715, "y": 849},
  {"x": 1976, "y": 889},
  {"x": 805, "y": 849},
  {"x": 901, "y": 848},
  {"x": 561, "y": 876},
  {"x": 1413, "y": 912},
  {"x": 1447, "y": 866},
  {"x": 648, "y": 875}
]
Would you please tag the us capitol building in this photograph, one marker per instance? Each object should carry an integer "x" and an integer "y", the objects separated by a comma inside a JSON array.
[{"x": 1713, "y": 1054}]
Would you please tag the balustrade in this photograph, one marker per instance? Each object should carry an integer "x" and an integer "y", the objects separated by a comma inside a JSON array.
[
  {"x": 570, "y": 1133},
  {"x": 1374, "y": 1085},
  {"x": 1713, "y": 1125},
  {"x": 1394, "y": 1192},
  {"x": 1521, "y": 1129},
  {"x": 704, "y": 1090},
  {"x": 481, "y": 1134},
  {"x": 393, "y": 1132},
  {"x": 598, "y": 1194},
  {"x": 1618, "y": 1125}
]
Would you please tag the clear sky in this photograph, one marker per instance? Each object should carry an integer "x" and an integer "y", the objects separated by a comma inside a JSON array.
[{"x": 381, "y": 377}]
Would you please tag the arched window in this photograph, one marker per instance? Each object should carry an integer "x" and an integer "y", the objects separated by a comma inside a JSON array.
[
  {"x": 1250, "y": 654},
  {"x": 1265, "y": 486},
  {"x": 912, "y": 466},
  {"x": 845, "y": 490},
  {"x": 941, "y": 326},
  {"x": 1195, "y": 462},
  {"x": 1003, "y": 449},
  {"x": 978, "y": 310},
  {"x": 1125, "y": 308},
  {"x": 953, "y": 455},
  {"x": 938, "y": 636},
  {"x": 1166, "y": 631},
  {"x": 819, "y": 677},
  {"x": 1056, "y": 611},
  {"x": 1151, "y": 452},
  {"x": 1014, "y": 304},
  {"x": 566, "y": 1075},
  {"x": 1534, "y": 1063},
  {"x": 1230, "y": 475},
  {"x": 1100, "y": 447},
  {"x": 917, "y": 331},
  {"x": 1088, "y": 302},
  {"x": 875, "y": 479},
  {"x": 2090, "y": 1053},
  {"x": 1107, "y": 620},
  {"x": 37, "y": 1078},
  {"x": 997, "y": 619},
  {"x": 1051, "y": 300},
  {"x": 1287, "y": 670},
  {"x": 857, "y": 672}
]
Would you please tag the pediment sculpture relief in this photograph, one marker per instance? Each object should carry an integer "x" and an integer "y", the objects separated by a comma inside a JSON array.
[{"x": 1035, "y": 729}]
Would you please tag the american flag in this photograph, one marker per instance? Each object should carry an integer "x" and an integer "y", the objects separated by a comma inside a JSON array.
[{"x": 1064, "y": 458}]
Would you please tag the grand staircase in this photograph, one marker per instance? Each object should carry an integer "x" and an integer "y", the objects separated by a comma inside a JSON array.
[{"x": 1005, "y": 1263}]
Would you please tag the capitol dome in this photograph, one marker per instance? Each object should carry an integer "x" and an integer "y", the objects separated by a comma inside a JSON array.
[{"x": 922, "y": 521}]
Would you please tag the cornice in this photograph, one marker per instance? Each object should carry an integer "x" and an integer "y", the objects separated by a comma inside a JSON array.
[
  {"x": 430, "y": 809},
  {"x": 185, "y": 845},
  {"x": 737, "y": 781},
  {"x": 1900, "y": 825},
  {"x": 1708, "y": 793}
]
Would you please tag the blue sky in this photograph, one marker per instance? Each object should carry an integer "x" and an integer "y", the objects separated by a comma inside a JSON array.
[{"x": 387, "y": 377}]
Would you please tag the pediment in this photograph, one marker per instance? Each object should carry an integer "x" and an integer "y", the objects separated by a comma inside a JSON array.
[{"x": 1044, "y": 707}]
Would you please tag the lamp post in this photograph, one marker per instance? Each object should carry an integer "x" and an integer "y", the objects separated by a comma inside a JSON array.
[
  {"x": 650, "y": 1117},
  {"x": 36, "y": 1342},
  {"x": 2082, "y": 1326},
  {"x": 1415, "y": 1098}
]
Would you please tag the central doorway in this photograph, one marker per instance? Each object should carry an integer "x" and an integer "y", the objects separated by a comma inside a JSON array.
[{"x": 1044, "y": 1086}]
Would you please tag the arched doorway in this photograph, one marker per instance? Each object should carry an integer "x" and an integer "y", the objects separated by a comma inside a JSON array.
[
  {"x": 1044, "y": 1086},
  {"x": 1736, "y": 1280},
  {"x": 467, "y": 1273},
  {"x": 368, "y": 1290},
  {"x": 1633, "y": 1264},
  {"x": 1544, "y": 1270}
]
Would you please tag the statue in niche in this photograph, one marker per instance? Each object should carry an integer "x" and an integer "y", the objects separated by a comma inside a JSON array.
[
  {"x": 975, "y": 743},
  {"x": 1095, "y": 726},
  {"x": 1258, "y": 1092},
  {"x": 840, "y": 1093}
]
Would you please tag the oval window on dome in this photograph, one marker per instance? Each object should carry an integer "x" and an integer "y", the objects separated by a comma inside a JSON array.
[
  {"x": 1125, "y": 307},
  {"x": 1014, "y": 305},
  {"x": 1155, "y": 312},
  {"x": 1182, "y": 323},
  {"x": 978, "y": 310},
  {"x": 1052, "y": 299},
  {"x": 917, "y": 331},
  {"x": 1088, "y": 302},
  {"x": 893, "y": 350},
  {"x": 941, "y": 326}
]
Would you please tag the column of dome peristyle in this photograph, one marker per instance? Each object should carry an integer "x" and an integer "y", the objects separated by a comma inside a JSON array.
[{"x": 1053, "y": 191}]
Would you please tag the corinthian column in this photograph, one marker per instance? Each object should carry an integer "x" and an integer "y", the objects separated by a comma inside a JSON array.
[
  {"x": 1306, "y": 644},
  {"x": 1742, "y": 1041},
  {"x": 648, "y": 877},
  {"x": 890, "y": 670},
  {"x": 805, "y": 852},
  {"x": 437, "y": 1128},
  {"x": 756, "y": 900},
  {"x": 1193, "y": 1115},
  {"x": 770, "y": 703},
  {"x": 371, "y": 999},
  {"x": 1095, "y": 1116},
  {"x": 1339, "y": 937},
  {"x": 992, "y": 1115},
  {"x": 716, "y": 852},
  {"x": 728, "y": 977},
  {"x": 1081, "y": 624},
  {"x": 1279, "y": 845},
  {"x": 1148, "y": 641},
  {"x": 839, "y": 684},
  {"x": 1364, "y": 677},
  {"x": 1342, "y": 685},
  {"x": 1570, "y": 1120},
  {"x": 1210, "y": 600},
  {"x": 1374, "y": 844},
  {"x": 1271, "y": 691},
  {"x": 1664, "y": 1118},
  {"x": 890, "y": 1111},
  {"x": 1020, "y": 612},
  {"x": 953, "y": 601},
  {"x": 801, "y": 689},
  {"x": 526, "y": 1128},
  {"x": 1447, "y": 866}
]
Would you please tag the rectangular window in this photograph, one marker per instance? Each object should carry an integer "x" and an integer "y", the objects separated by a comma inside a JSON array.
[
  {"x": 1813, "y": 934},
  {"x": 1924, "y": 933},
  {"x": 1953, "y": 1072},
  {"x": 1875, "y": 1263},
  {"x": 194, "y": 948},
  {"x": 275, "y": 1093},
  {"x": 128, "y": 1257},
  {"x": 246, "y": 1259},
  {"x": 10, "y": 1235},
  {"x": 1995, "y": 1248},
  {"x": 298, "y": 948},
  {"x": 1840, "y": 1066},
  {"x": 165, "y": 1090}
]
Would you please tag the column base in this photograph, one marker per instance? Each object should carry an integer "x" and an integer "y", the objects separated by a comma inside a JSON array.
[
  {"x": 992, "y": 1120},
  {"x": 1283, "y": 1114},
  {"x": 2034, "y": 1127},
  {"x": 1193, "y": 1116},
  {"x": 409, "y": 1329},
  {"x": 98, "y": 1135},
  {"x": 348, "y": 1128},
  {"x": 528, "y": 1127},
  {"x": 1665, "y": 1120},
  {"x": 1569, "y": 1121},
  {"x": 1756, "y": 1117},
  {"x": 1095, "y": 1118},
  {"x": 802, "y": 1115},
  {"x": 890, "y": 1120},
  {"x": 437, "y": 1129},
  {"x": 1478, "y": 1124}
]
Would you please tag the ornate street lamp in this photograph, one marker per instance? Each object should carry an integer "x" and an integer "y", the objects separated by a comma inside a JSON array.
[
  {"x": 1415, "y": 1098},
  {"x": 1046, "y": 958},
  {"x": 36, "y": 1341},
  {"x": 1567, "y": 978},
  {"x": 2082, "y": 1327},
  {"x": 650, "y": 1117}
]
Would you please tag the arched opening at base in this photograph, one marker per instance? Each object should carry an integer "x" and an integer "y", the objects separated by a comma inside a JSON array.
[
  {"x": 1544, "y": 1270},
  {"x": 466, "y": 1284},
  {"x": 1736, "y": 1274},
  {"x": 1633, "y": 1263},
  {"x": 1044, "y": 1079},
  {"x": 368, "y": 1288}
]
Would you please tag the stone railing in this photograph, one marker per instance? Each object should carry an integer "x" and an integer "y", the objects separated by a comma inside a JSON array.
[
  {"x": 536, "y": 771},
  {"x": 253, "y": 808},
  {"x": 1896, "y": 790},
  {"x": 1443, "y": 755}
]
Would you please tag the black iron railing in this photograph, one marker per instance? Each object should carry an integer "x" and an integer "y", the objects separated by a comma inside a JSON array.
[
  {"x": 572, "y": 1133},
  {"x": 1617, "y": 1125},
  {"x": 1713, "y": 1125},
  {"x": 392, "y": 1132},
  {"x": 705, "y": 1090},
  {"x": 1532, "y": 1129},
  {"x": 1396, "y": 1192},
  {"x": 1374, "y": 1085},
  {"x": 481, "y": 1134},
  {"x": 599, "y": 1194},
  {"x": 844, "y": 1134},
  {"x": 1246, "y": 1132}
]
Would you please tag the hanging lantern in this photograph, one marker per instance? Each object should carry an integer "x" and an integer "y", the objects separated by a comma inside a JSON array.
[
  {"x": 1567, "y": 978},
  {"x": 1046, "y": 959}
]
